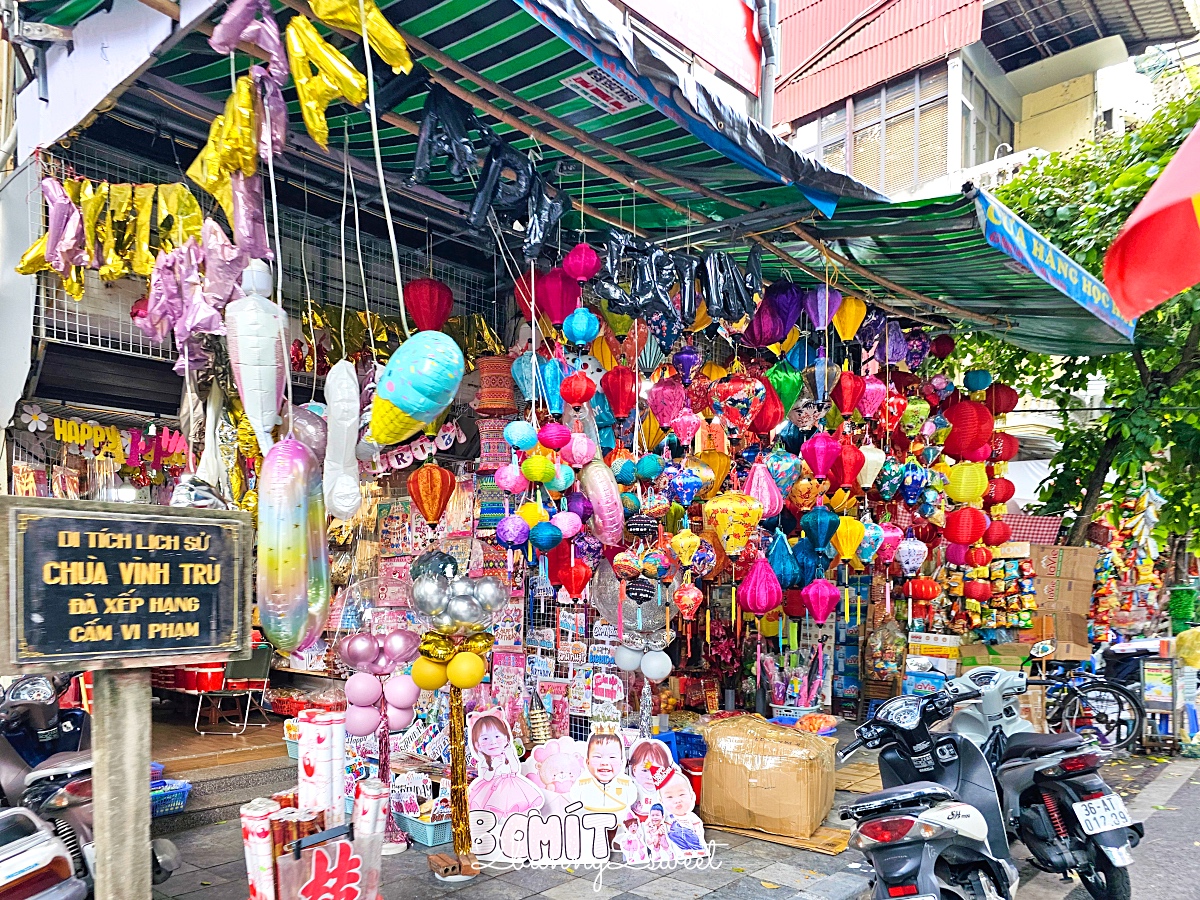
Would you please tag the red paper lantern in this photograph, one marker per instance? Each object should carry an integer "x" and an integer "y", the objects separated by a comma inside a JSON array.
[
  {"x": 999, "y": 490},
  {"x": 428, "y": 302},
  {"x": 430, "y": 488},
  {"x": 965, "y": 525},
  {"x": 577, "y": 389},
  {"x": 848, "y": 391},
  {"x": 618, "y": 386},
  {"x": 971, "y": 425},
  {"x": 771, "y": 413},
  {"x": 850, "y": 461},
  {"x": 1004, "y": 446},
  {"x": 978, "y": 556},
  {"x": 997, "y": 533},
  {"x": 941, "y": 346},
  {"x": 927, "y": 533},
  {"x": 1000, "y": 399},
  {"x": 576, "y": 577},
  {"x": 922, "y": 589},
  {"x": 555, "y": 293},
  {"x": 978, "y": 590},
  {"x": 582, "y": 263}
]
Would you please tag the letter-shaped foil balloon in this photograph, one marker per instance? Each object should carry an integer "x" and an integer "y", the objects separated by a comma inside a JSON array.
[
  {"x": 416, "y": 386},
  {"x": 342, "y": 497},
  {"x": 293, "y": 555},
  {"x": 254, "y": 327},
  {"x": 335, "y": 77},
  {"x": 382, "y": 35},
  {"x": 599, "y": 485}
]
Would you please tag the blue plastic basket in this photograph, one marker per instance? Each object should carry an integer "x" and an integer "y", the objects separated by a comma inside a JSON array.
[
  {"x": 167, "y": 797},
  {"x": 690, "y": 746},
  {"x": 424, "y": 833},
  {"x": 293, "y": 748}
]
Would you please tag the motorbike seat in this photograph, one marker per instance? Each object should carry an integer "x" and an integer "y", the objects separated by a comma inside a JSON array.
[
  {"x": 60, "y": 764},
  {"x": 1029, "y": 745},
  {"x": 918, "y": 793}
]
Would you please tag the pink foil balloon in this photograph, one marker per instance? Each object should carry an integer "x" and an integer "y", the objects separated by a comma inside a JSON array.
[
  {"x": 599, "y": 485},
  {"x": 359, "y": 650},
  {"x": 874, "y": 392},
  {"x": 819, "y": 451},
  {"x": 762, "y": 487},
  {"x": 820, "y": 598},
  {"x": 401, "y": 646},
  {"x": 759, "y": 592}
]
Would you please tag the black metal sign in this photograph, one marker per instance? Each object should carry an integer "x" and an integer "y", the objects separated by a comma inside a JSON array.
[{"x": 99, "y": 585}]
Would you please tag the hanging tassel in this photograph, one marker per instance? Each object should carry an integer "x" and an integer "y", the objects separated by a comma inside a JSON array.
[
  {"x": 708, "y": 626},
  {"x": 621, "y": 611}
]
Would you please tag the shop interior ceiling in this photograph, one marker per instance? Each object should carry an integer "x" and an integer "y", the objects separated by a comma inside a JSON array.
[{"x": 636, "y": 168}]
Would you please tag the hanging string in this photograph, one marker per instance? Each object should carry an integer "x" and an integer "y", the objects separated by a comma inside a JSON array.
[
  {"x": 387, "y": 208},
  {"x": 362, "y": 275},
  {"x": 342, "y": 227},
  {"x": 283, "y": 336},
  {"x": 312, "y": 329},
  {"x": 232, "y": 74}
]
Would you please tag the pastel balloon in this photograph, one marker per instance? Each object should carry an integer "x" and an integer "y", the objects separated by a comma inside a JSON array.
[
  {"x": 416, "y": 386},
  {"x": 400, "y": 645},
  {"x": 400, "y": 690},
  {"x": 359, "y": 650},
  {"x": 399, "y": 718},
  {"x": 362, "y": 720},
  {"x": 342, "y": 496},
  {"x": 363, "y": 689},
  {"x": 598, "y": 484},
  {"x": 293, "y": 554}
]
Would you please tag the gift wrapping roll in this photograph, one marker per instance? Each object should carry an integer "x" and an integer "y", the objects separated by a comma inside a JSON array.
[
  {"x": 324, "y": 762},
  {"x": 337, "y": 809},
  {"x": 258, "y": 846},
  {"x": 308, "y": 794},
  {"x": 370, "y": 801}
]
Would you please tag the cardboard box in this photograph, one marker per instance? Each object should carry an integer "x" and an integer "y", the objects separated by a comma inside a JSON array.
[
  {"x": 1069, "y": 563},
  {"x": 1033, "y": 707},
  {"x": 922, "y": 683},
  {"x": 921, "y": 643},
  {"x": 766, "y": 777},
  {"x": 1010, "y": 657},
  {"x": 847, "y": 686}
]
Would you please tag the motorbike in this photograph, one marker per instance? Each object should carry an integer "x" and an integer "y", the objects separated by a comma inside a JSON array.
[
  {"x": 1052, "y": 797},
  {"x": 46, "y": 768},
  {"x": 935, "y": 831}
]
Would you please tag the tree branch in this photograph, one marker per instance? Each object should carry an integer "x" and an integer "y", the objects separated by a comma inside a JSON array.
[
  {"x": 1143, "y": 370},
  {"x": 1188, "y": 357},
  {"x": 1093, "y": 488}
]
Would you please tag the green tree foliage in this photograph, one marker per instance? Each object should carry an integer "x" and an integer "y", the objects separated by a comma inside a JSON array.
[{"x": 1150, "y": 425}]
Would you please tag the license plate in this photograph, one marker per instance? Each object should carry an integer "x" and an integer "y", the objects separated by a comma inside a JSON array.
[{"x": 1102, "y": 814}]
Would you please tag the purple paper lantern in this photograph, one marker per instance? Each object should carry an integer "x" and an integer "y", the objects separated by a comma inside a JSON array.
[
  {"x": 821, "y": 305},
  {"x": 512, "y": 532}
]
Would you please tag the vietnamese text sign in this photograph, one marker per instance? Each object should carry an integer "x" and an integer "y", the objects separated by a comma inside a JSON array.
[{"x": 94, "y": 585}]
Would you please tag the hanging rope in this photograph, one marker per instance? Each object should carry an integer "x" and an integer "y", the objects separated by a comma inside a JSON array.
[
  {"x": 362, "y": 275},
  {"x": 278, "y": 261}
]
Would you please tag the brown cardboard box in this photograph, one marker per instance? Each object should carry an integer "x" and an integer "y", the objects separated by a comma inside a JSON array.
[
  {"x": 1071, "y": 563},
  {"x": 766, "y": 777},
  {"x": 1067, "y": 602}
]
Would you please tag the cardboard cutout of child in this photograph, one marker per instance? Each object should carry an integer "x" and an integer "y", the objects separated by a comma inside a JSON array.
[
  {"x": 605, "y": 787},
  {"x": 499, "y": 786}
]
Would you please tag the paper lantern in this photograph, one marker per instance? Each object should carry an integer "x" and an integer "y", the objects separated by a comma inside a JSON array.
[
  {"x": 873, "y": 459},
  {"x": 538, "y": 469},
  {"x": 618, "y": 386},
  {"x": 978, "y": 556},
  {"x": 820, "y": 598},
  {"x": 847, "y": 537},
  {"x": 977, "y": 380},
  {"x": 911, "y": 554},
  {"x": 581, "y": 262},
  {"x": 968, "y": 481},
  {"x": 965, "y": 525},
  {"x": 1004, "y": 446},
  {"x": 428, "y": 302},
  {"x": 849, "y": 317},
  {"x": 819, "y": 451},
  {"x": 737, "y": 399},
  {"x": 771, "y": 413},
  {"x": 956, "y": 554},
  {"x": 872, "y": 540},
  {"x": 1000, "y": 399},
  {"x": 545, "y": 537},
  {"x": 892, "y": 536},
  {"x": 970, "y": 426},
  {"x": 554, "y": 435},
  {"x": 430, "y": 487},
  {"x": 533, "y": 513},
  {"x": 577, "y": 389},
  {"x": 846, "y": 468},
  {"x": 997, "y": 533},
  {"x": 762, "y": 487},
  {"x": 760, "y": 592},
  {"x": 820, "y": 524},
  {"x": 848, "y": 391},
  {"x": 512, "y": 532},
  {"x": 733, "y": 515},
  {"x": 415, "y": 387},
  {"x": 941, "y": 346},
  {"x": 999, "y": 490},
  {"x": 978, "y": 590},
  {"x": 922, "y": 589}
]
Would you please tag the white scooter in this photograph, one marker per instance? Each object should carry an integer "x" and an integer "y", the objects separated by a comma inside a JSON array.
[{"x": 1051, "y": 794}]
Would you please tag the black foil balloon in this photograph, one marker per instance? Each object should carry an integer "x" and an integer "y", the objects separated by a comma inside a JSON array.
[
  {"x": 618, "y": 241},
  {"x": 496, "y": 192},
  {"x": 685, "y": 270},
  {"x": 754, "y": 276},
  {"x": 445, "y": 131},
  {"x": 546, "y": 207}
]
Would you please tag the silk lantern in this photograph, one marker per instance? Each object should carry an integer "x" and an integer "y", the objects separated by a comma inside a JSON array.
[
  {"x": 808, "y": 559},
  {"x": 873, "y": 394},
  {"x": 968, "y": 482},
  {"x": 618, "y": 386},
  {"x": 820, "y": 524},
  {"x": 430, "y": 487},
  {"x": 667, "y": 399},
  {"x": 771, "y": 413},
  {"x": 577, "y": 389},
  {"x": 819, "y": 451},
  {"x": 846, "y": 468},
  {"x": 965, "y": 525},
  {"x": 428, "y": 302},
  {"x": 821, "y": 305},
  {"x": 873, "y": 458},
  {"x": 970, "y": 426},
  {"x": 820, "y": 598},
  {"x": 760, "y": 592},
  {"x": 783, "y": 562},
  {"x": 762, "y": 487},
  {"x": 716, "y": 465},
  {"x": 892, "y": 536},
  {"x": 847, "y": 537},
  {"x": 733, "y": 515},
  {"x": 871, "y": 541},
  {"x": 911, "y": 554},
  {"x": 848, "y": 391},
  {"x": 684, "y": 545},
  {"x": 849, "y": 317},
  {"x": 581, "y": 262},
  {"x": 737, "y": 398}
]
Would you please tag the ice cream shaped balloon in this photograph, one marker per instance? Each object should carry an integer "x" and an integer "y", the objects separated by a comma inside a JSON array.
[
  {"x": 416, "y": 386},
  {"x": 256, "y": 329}
]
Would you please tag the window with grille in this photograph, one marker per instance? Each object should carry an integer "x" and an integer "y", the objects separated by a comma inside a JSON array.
[
  {"x": 892, "y": 138},
  {"x": 986, "y": 128}
]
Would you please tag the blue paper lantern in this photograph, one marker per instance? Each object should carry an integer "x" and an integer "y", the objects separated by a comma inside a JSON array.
[
  {"x": 581, "y": 327},
  {"x": 520, "y": 435}
]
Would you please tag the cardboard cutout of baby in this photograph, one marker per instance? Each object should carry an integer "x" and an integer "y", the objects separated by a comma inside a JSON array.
[
  {"x": 499, "y": 786},
  {"x": 604, "y": 787},
  {"x": 661, "y": 825}
]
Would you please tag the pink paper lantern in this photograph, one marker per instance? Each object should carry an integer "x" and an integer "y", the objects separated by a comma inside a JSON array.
[
  {"x": 759, "y": 592},
  {"x": 820, "y": 598},
  {"x": 510, "y": 480},
  {"x": 579, "y": 451},
  {"x": 762, "y": 487},
  {"x": 582, "y": 262},
  {"x": 819, "y": 451},
  {"x": 892, "y": 536}
]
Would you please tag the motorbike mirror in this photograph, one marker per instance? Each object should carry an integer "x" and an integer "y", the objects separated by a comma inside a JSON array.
[{"x": 1043, "y": 649}]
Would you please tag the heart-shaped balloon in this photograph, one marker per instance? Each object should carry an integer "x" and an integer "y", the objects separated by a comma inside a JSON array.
[
  {"x": 848, "y": 391},
  {"x": 737, "y": 398}
]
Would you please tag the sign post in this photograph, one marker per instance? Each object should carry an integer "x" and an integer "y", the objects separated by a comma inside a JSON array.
[{"x": 119, "y": 588}]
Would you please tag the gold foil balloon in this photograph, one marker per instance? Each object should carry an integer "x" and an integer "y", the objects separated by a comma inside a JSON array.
[
  {"x": 437, "y": 647},
  {"x": 719, "y": 464},
  {"x": 334, "y": 77},
  {"x": 848, "y": 536},
  {"x": 733, "y": 516},
  {"x": 479, "y": 643},
  {"x": 381, "y": 34},
  {"x": 685, "y": 544},
  {"x": 968, "y": 482}
]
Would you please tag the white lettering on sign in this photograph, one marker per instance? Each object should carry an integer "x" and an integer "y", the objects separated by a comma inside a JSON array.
[{"x": 602, "y": 90}]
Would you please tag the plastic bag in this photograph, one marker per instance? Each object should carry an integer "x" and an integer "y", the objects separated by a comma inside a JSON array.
[{"x": 1187, "y": 647}]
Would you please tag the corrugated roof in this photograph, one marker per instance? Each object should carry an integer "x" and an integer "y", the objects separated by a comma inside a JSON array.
[
  {"x": 1021, "y": 33},
  {"x": 903, "y": 36}
]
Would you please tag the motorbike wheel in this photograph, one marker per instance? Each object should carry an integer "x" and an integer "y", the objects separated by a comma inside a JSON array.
[
  {"x": 1106, "y": 881},
  {"x": 981, "y": 887}
]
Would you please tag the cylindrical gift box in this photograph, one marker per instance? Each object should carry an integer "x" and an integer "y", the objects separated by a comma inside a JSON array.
[
  {"x": 336, "y": 815},
  {"x": 259, "y": 847}
]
